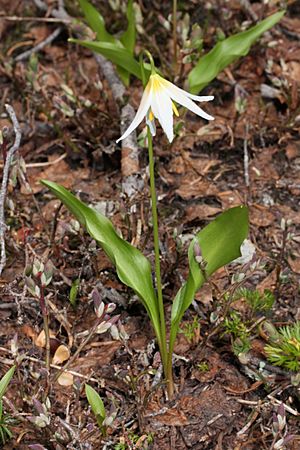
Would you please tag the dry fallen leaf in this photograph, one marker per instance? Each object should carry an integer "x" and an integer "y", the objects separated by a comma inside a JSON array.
[
  {"x": 62, "y": 354},
  {"x": 29, "y": 332},
  {"x": 40, "y": 341},
  {"x": 66, "y": 379}
]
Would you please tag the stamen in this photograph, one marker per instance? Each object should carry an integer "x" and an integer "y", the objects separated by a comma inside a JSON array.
[
  {"x": 174, "y": 107},
  {"x": 150, "y": 121}
]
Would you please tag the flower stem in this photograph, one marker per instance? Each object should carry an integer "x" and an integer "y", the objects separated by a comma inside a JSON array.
[{"x": 162, "y": 338}]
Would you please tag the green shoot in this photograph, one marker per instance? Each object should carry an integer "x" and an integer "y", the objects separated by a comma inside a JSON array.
[
  {"x": 284, "y": 351},
  {"x": 97, "y": 406},
  {"x": 235, "y": 327},
  {"x": 5, "y": 420}
]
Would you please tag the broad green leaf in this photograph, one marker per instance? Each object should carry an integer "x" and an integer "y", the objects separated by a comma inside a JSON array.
[
  {"x": 119, "y": 56},
  {"x": 220, "y": 243},
  {"x": 96, "y": 21},
  {"x": 226, "y": 52},
  {"x": 133, "y": 269},
  {"x": 95, "y": 402},
  {"x": 4, "y": 382},
  {"x": 128, "y": 37}
]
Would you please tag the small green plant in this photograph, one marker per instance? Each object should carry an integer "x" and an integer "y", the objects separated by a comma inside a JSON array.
[
  {"x": 284, "y": 349},
  {"x": 256, "y": 300},
  {"x": 203, "y": 366},
  {"x": 135, "y": 441},
  {"x": 38, "y": 277},
  {"x": 238, "y": 331},
  {"x": 104, "y": 420},
  {"x": 5, "y": 420},
  {"x": 191, "y": 329},
  {"x": 97, "y": 406}
]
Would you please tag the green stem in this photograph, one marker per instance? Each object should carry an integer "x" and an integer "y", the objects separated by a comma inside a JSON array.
[{"x": 162, "y": 338}]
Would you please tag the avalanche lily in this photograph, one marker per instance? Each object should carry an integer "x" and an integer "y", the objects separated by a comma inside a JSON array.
[{"x": 158, "y": 102}]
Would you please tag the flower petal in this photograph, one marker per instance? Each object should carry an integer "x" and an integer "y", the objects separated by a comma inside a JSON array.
[
  {"x": 199, "y": 98},
  {"x": 161, "y": 106},
  {"x": 141, "y": 112},
  {"x": 184, "y": 99}
]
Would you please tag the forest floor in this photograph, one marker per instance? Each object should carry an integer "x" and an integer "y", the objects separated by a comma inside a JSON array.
[{"x": 70, "y": 122}]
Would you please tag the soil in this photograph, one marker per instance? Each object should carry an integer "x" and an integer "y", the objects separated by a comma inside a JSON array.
[{"x": 70, "y": 121}]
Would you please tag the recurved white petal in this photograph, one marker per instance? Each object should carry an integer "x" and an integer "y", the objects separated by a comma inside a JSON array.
[
  {"x": 183, "y": 99},
  {"x": 199, "y": 98},
  {"x": 140, "y": 114},
  {"x": 161, "y": 106}
]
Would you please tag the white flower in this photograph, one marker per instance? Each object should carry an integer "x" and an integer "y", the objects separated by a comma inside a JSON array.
[{"x": 157, "y": 102}]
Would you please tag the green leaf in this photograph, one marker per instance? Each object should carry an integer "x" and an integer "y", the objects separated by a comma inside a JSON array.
[
  {"x": 128, "y": 40},
  {"x": 220, "y": 243},
  {"x": 133, "y": 269},
  {"x": 74, "y": 292},
  {"x": 96, "y": 21},
  {"x": 226, "y": 52},
  {"x": 128, "y": 37},
  {"x": 4, "y": 382},
  {"x": 119, "y": 56},
  {"x": 95, "y": 402}
]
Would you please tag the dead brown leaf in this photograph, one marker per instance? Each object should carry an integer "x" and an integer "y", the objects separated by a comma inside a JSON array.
[
  {"x": 261, "y": 216},
  {"x": 40, "y": 340},
  {"x": 62, "y": 354},
  {"x": 66, "y": 379},
  {"x": 201, "y": 212},
  {"x": 60, "y": 173}
]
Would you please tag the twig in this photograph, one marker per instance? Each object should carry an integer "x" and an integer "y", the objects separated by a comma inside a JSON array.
[
  {"x": 246, "y": 156},
  {"x": 115, "y": 84},
  {"x": 44, "y": 164},
  {"x": 79, "y": 349},
  {"x": 9, "y": 157},
  {"x": 131, "y": 181},
  {"x": 25, "y": 55},
  {"x": 35, "y": 19},
  {"x": 42, "y": 363}
]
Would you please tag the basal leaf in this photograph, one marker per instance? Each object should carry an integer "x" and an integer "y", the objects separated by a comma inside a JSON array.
[
  {"x": 128, "y": 37},
  {"x": 133, "y": 269},
  {"x": 226, "y": 52},
  {"x": 220, "y": 243},
  {"x": 117, "y": 55},
  {"x": 95, "y": 402},
  {"x": 96, "y": 21},
  {"x": 5, "y": 380}
]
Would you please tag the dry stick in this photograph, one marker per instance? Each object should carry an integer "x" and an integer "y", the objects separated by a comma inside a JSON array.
[
  {"x": 34, "y": 19},
  {"x": 25, "y": 55},
  {"x": 246, "y": 156},
  {"x": 79, "y": 349},
  {"x": 9, "y": 158}
]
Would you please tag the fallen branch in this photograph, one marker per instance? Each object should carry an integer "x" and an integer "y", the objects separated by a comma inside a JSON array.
[
  {"x": 25, "y": 55},
  {"x": 7, "y": 164}
]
